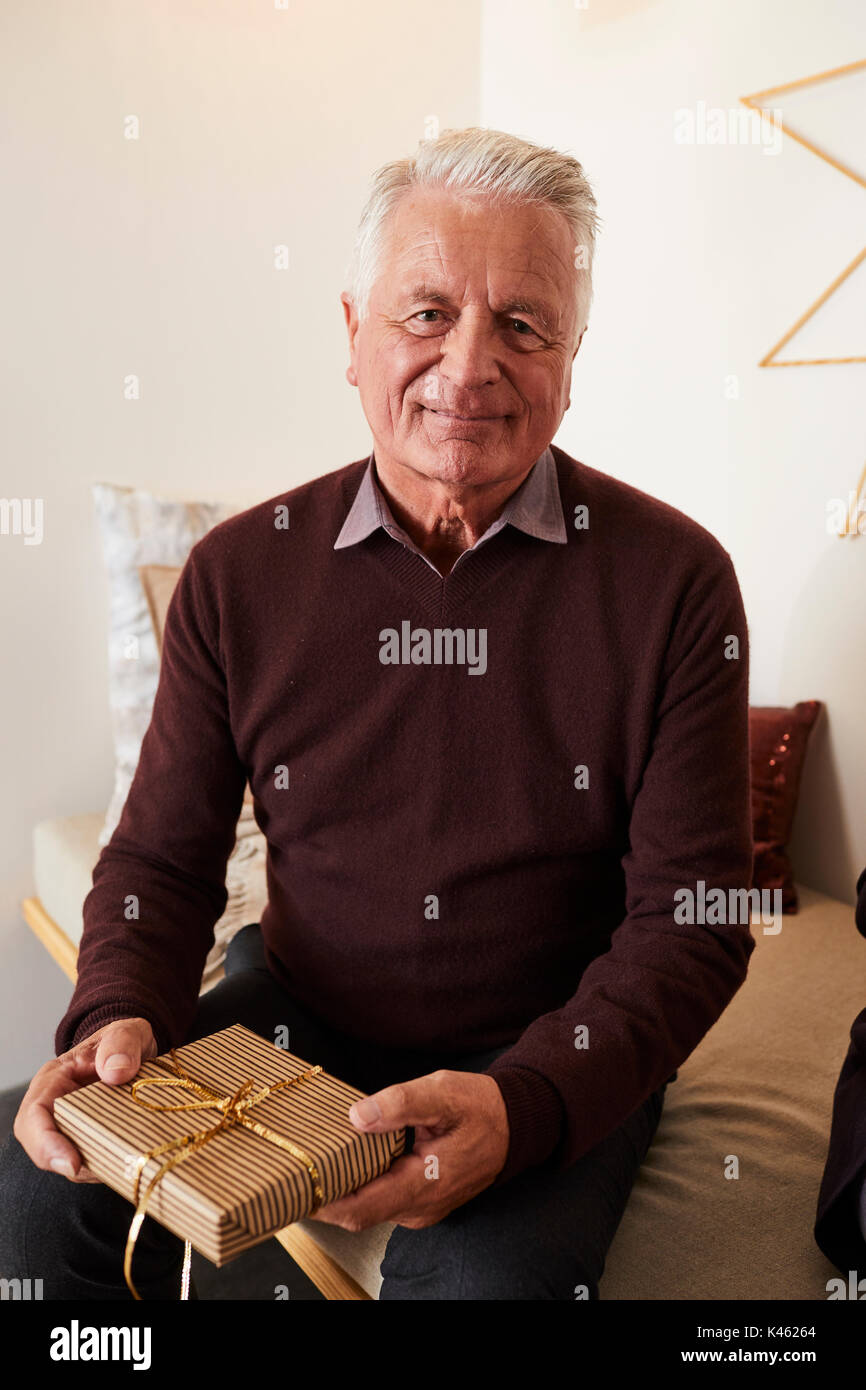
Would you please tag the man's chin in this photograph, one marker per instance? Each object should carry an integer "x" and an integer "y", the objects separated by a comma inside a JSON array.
[{"x": 455, "y": 459}]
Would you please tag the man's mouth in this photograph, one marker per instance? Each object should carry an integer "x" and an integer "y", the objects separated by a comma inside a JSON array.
[{"x": 453, "y": 414}]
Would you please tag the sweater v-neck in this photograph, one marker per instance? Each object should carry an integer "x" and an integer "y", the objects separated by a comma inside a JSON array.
[{"x": 442, "y": 596}]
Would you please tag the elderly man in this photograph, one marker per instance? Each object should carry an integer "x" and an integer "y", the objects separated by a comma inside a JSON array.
[{"x": 492, "y": 704}]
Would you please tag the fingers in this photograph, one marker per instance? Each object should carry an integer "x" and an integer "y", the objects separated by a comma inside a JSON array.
[
  {"x": 394, "y": 1192},
  {"x": 426, "y": 1101},
  {"x": 84, "y": 1175},
  {"x": 121, "y": 1048},
  {"x": 34, "y": 1125}
]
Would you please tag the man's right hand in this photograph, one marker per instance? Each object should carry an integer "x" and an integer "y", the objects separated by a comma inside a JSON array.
[{"x": 112, "y": 1054}]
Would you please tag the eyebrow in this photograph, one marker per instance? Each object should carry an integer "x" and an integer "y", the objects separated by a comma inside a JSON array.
[{"x": 535, "y": 308}]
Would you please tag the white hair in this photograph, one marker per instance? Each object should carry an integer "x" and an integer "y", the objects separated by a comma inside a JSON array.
[{"x": 492, "y": 162}]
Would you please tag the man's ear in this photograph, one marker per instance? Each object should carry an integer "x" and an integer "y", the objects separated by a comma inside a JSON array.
[
  {"x": 350, "y": 314},
  {"x": 579, "y": 341}
]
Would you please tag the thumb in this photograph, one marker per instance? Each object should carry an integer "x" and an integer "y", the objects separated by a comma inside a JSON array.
[
  {"x": 121, "y": 1048},
  {"x": 419, "y": 1102}
]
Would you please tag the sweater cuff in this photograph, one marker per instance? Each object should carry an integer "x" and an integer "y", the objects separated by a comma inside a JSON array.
[
  {"x": 536, "y": 1118},
  {"x": 98, "y": 1018}
]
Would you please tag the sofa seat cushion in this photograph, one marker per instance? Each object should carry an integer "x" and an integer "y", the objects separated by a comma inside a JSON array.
[
  {"x": 758, "y": 1088},
  {"x": 65, "y": 851}
]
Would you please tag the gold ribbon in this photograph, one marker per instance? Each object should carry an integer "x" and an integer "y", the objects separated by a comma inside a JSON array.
[{"x": 234, "y": 1108}]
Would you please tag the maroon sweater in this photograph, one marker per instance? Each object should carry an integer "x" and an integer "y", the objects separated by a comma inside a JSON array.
[{"x": 412, "y": 782}]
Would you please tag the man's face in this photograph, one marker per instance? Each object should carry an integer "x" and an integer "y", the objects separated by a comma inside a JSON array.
[{"x": 464, "y": 361}]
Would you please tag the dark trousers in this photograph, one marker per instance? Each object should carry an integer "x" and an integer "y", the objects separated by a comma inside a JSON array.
[{"x": 539, "y": 1236}]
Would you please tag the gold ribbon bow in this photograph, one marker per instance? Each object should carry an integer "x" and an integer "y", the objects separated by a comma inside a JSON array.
[{"x": 234, "y": 1108}]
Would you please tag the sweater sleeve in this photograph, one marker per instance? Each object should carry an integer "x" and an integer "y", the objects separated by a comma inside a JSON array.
[
  {"x": 643, "y": 1006},
  {"x": 159, "y": 883}
]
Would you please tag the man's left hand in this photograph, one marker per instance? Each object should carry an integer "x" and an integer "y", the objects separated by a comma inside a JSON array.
[{"x": 461, "y": 1143}]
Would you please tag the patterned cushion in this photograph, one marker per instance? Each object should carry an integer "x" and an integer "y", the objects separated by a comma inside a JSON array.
[{"x": 148, "y": 538}]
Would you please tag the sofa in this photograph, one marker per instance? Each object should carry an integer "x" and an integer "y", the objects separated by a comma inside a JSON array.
[{"x": 724, "y": 1204}]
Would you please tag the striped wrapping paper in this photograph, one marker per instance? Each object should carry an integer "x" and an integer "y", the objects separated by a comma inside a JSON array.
[{"x": 240, "y": 1188}]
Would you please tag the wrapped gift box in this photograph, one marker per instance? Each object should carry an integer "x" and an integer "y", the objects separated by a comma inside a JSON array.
[{"x": 239, "y": 1187}]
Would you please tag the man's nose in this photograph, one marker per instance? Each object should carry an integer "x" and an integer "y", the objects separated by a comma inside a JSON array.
[{"x": 469, "y": 352}]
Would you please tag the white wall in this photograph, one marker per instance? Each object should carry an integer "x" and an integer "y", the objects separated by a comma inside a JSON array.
[
  {"x": 261, "y": 126},
  {"x": 258, "y": 127},
  {"x": 708, "y": 254}
]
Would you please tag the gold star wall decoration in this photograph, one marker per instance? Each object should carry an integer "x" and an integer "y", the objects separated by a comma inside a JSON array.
[{"x": 755, "y": 102}]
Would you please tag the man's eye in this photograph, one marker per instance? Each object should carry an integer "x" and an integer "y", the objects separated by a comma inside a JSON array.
[{"x": 523, "y": 329}]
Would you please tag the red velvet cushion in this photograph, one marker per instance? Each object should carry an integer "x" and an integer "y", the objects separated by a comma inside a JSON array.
[{"x": 777, "y": 740}]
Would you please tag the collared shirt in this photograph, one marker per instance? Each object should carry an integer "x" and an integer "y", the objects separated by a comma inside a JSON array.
[{"x": 535, "y": 508}]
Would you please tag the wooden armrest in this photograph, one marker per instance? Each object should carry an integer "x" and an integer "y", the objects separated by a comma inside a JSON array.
[{"x": 53, "y": 938}]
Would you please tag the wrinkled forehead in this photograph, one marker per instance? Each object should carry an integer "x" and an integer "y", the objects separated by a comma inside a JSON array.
[{"x": 453, "y": 244}]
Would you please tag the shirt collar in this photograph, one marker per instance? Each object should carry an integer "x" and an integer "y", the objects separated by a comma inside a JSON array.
[{"x": 535, "y": 508}]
